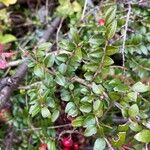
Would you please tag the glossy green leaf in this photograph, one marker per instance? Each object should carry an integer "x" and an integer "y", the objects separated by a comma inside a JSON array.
[
  {"x": 44, "y": 46},
  {"x": 34, "y": 109},
  {"x": 55, "y": 115},
  {"x": 7, "y": 38},
  {"x": 132, "y": 96},
  {"x": 39, "y": 71},
  {"x": 90, "y": 120},
  {"x": 143, "y": 136},
  {"x": 45, "y": 112},
  {"x": 99, "y": 144},
  {"x": 133, "y": 110},
  {"x": 140, "y": 87},
  {"x": 51, "y": 144},
  {"x": 90, "y": 130},
  {"x": 111, "y": 50},
  {"x": 108, "y": 61},
  {"x": 85, "y": 108},
  {"x": 111, "y": 30},
  {"x": 97, "y": 89},
  {"x": 77, "y": 122},
  {"x": 120, "y": 140},
  {"x": 60, "y": 79}
]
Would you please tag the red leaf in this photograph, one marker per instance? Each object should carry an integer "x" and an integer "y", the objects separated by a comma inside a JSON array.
[
  {"x": 3, "y": 64},
  {"x": 1, "y": 48},
  {"x": 8, "y": 54}
]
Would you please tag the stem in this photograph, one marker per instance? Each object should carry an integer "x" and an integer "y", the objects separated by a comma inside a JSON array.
[{"x": 125, "y": 34}]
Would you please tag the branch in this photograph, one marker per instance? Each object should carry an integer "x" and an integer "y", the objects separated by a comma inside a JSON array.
[{"x": 125, "y": 34}]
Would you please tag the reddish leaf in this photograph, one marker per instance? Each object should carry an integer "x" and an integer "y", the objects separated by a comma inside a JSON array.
[
  {"x": 3, "y": 64},
  {"x": 8, "y": 54}
]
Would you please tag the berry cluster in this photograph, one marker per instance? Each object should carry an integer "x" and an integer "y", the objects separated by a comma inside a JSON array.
[{"x": 68, "y": 144}]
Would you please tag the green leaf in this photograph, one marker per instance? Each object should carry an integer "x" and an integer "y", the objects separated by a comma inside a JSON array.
[
  {"x": 60, "y": 79},
  {"x": 110, "y": 50},
  {"x": 90, "y": 130},
  {"x": 51, "y": 145},
  {"x": 44, "y": 46},
  {"x": 49, "y": 61},
  {"x": 143, "y": 136},
  {"x": 73, "y": 112},
  {"x": 99, "y": 144},
  {"x": 34, "y": 109},
  {"x": 134, "y": 126},
  {"x": 39, "y": 71},
  {"x": 144, "y": 49},
  {"x": 85, "y": 108},
  {"x": 45, "y": 112},
  {"x": 75, "y": 35},
  {"x": 97, "y": 105},
  {"x": 78, "y": 54},
  {"x": 65, "y": 95},
  {"x": 132, "y": 96},
  {"x": 55, "y": 115},
  {"x": 120, "y": 140},
  {"x": 97, "y": 89},
  {"x": 140, "y": 87},
  {"x": 7, "y": 38},
  {"x": 69, "y": 106},
  {"x": 108, "y": 61},
  {"x": 78, "y": 122},
  {"x": 123, "y": 127},
  {"x": 133, "y": 110},
  {"x": 111, "y": 30},
  {"x": 110, "y": 14},
  {"x": 62, "y": 68},
  {"x": 8, "y": 2},
  {"x": 90, "y": 120},
  {"x": 76, "y": 6}
]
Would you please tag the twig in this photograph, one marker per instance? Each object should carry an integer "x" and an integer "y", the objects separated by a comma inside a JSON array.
[
  {"x": 58, "y": 30},
  {"x": 109, "y": 145},
  {"x": 120, "y": 67},
  {"x": 84, "y": 9},
  {"x": 146, "y": 146},
  {"x": 51, "y": 127},
  {"x": 30, "y": 86},
  {"x": 125, "y": 34}
]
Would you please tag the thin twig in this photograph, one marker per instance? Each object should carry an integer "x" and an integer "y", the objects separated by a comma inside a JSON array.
[
  {"x": 109, "y": 145},
  {"x": 58, "y": 30},
  {"x": 51, "y": 127},
  {"x": 125, "y": 34},
  {"x": 84, "y": 9},
  {"x": 27, "y": 87}
]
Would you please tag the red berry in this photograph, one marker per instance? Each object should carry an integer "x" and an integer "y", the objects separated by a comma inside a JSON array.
[
  {"x": 101, "y": 22},
  {"x": 75, "y": 146},
  {"x": 66, "y": 148},
  {"x": 43, "y": 146},
  {"x": 67, "y": 142}
]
